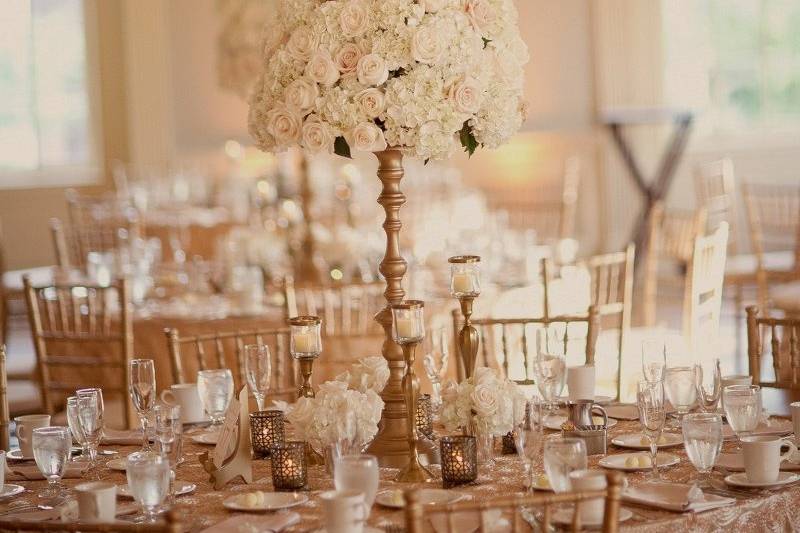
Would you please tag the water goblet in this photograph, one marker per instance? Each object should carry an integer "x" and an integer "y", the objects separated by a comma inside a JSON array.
[
  {"x": 652, "y": 416},
  {"x": 89, "y": 419},
  {"x": 654, "y": 360},
  {"x": 359, "y": 473},
  {"x": 435, "y": 363},
  {"x": 679, "y": 386},
  {"x": 528, "y": 435},
  {"x": 708, "y": 398},
  {"x": 258, "y": 369},
  {"x": 142, "y": 389},
  {"x": 75, "y": 428},
  {"x": 742, "y": 408},
  {"x": 169, "y": 432},
  {"x": 215, "y": 388},
  {"x": 561, "y": 456},
  {"x": 702, "y": 438},
  {"x": 148, "y": 476},
  {"x": 99, "y": 393},
  {"x": 51, "y": 450},
  {"x": 550, "y": 372}
]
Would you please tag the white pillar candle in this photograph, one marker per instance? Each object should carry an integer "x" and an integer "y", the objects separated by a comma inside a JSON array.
[
  {"x": 304, "y": 342},
  {"x": 406, "y": 328},
  {"x": 462, "y": 282}
]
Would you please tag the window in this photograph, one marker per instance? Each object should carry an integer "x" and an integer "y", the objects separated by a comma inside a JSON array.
[
  {"x": 738, "y": 61},
  {"x": 47, "y": 123}
]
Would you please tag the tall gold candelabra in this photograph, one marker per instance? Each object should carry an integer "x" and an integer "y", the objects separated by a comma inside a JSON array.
[{"x": 465, "y": 285}]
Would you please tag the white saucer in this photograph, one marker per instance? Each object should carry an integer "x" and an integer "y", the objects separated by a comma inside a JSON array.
[
  {"x": 206, "y": 438},
  {"x": 617, "y": 461},
  {"x": 555, "y": 421},
  {"x": 734, "y": 462},
  {"x": 181, "y": 488},
  {"x": 563, "y": 517},
  {"x": 11, "y": 490},
  {"x": 273, "y": 502},
  {"x": 740, "y": 480},
  {"x": 634, "y": 441},
  {"x": 393, "y": 498},
  {"x": 16, "y": 455}
]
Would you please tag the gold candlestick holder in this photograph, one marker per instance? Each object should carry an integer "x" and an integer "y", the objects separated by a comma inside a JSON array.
[
  {"x": 465, "y": 285},
  {"x": 305, "y": 345}
]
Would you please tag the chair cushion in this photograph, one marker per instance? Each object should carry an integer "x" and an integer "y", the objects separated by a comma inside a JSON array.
[
  {"x": 786, "y": 297},
  {"x": 747, "y": 263},
  {"x": 12, "y": 279}
]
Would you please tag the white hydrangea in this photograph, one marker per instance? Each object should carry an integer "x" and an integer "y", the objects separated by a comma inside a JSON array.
[{"x": 429, "y": 74}]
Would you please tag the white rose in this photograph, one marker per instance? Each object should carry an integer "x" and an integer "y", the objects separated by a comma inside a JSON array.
[
  {"x": 284, "y": 125},
  {"x": 427, "y": 45},
  {"x": 371, "y": 102},
  {"x": 466, "y": 95},
  {"x": 301, "y": 95},
  {"x": 302, "y": 415},
  {"x": 372, "y": 70},
  {"x": 302, "y": 43},
  {"x": 322, "y": 70},
  {"x": 481, "y": 14},
  {"x": 484, "y": 400},
  {"x": 377, "y": 369},
  {"x": 367, "y": 137},
  {"x": 353, "y": 19},
  {"x": 318, "y": 136},
  {"x": 347, "y": 58},
  {"x": 432, "y": 6}
]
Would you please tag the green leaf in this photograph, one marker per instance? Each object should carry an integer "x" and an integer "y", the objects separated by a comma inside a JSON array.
[
  {"x": 486, "y": 41},
  {"x": 468, "y": 140},
  {"x": 340, "y": 147}
]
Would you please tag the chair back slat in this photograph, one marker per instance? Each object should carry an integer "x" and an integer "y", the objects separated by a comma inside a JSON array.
[
  {"x": 715, "y": 188},
  {"x": 783, "y": 342}
]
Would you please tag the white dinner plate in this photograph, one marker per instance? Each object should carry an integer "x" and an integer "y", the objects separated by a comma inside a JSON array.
[
  {"x": 601, "y": 399},
  {"x": 563, "y": 517},
  {"x": 206, "y": 438},
  {"x": 617, "y": 462},
  {"x": 16, "y": 455},
  {"x": 777, "y": 427},
  {"x": 555, "y": 421},
  {"x": 740, "y": 480},
  {"x": 120, "y": 463},
  {"x": 10, "y": 489},
  {"x": 393, "y": 498},
  {"x": 634, "y": 441},
  {"x": 273, "y": 501},
  {"x": 181, "y": 488}
]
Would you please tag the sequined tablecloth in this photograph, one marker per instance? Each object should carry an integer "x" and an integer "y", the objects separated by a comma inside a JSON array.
[{"x": 777, "y": 510}]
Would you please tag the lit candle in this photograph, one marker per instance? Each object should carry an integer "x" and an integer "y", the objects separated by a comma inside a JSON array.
[
  {"x": 305, "y": 342},
  {"x": 462, "y": 282},
  {"x": 406, "y": 328}
]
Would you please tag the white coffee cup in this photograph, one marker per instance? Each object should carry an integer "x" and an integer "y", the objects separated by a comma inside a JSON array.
[
  {"x": 580, "y": 382},
  {"x": 734, "y": 379},
  {"x": 25, "y": 426},
  {"x": 762, "y": 456},
  {"x": 591, "y": 511},
  {"x": 344, "y": 511},
  {"x": 185, "y": 395},
  {"x": 795, "y": 408},
  {"x": 97, "y": 501}
]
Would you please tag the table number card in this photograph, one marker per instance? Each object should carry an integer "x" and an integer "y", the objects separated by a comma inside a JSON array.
[
  {"x": 227, "y": 434},
  {"x": 231, "y": 457}
]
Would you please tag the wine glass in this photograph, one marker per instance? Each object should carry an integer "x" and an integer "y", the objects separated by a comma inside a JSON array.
[
  {"x": 90, "y": 422},
  {"x": 550, "y": 372},
  {"x": 528, "y": 435},
  {"x": 148, "y": 480},
  {"x": 99, "y": 393},
  {"x": 75, "y": 428},
  {"x": 652, "y": 416},
  {"x": 169, "y": 432},
  {"x": 702, "y": 438},
  {"x": 51, "y": 450},
  {"x": 357, "y": 472},
  {"x": 563, "y": 455},
  {"x": 215, "y": 388},
  {"x": 679, "y": 386},
  {"x": 142, "y": 388},
  {"x": 708, "y": 399},
  {"x": 742, "y": 408},
  {"x": 435, "y": 363},
  {"x": 654, "y": 360},
  {"x": 258, "y": 369}
]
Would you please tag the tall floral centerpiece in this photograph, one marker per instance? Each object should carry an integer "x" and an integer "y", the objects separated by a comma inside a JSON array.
[{"x": 392, "y": 77}]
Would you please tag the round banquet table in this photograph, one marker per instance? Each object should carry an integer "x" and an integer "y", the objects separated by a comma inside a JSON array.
[{"x": 767, "y": 511}]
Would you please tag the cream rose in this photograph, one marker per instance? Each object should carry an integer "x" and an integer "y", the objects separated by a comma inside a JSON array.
[
  {"x": 284, "y": 125},
  {"x": 367, "y": 137},
  {"x": 301, "y": 95},
  {"x": 466, "y": 95},
  {"x": 347, "y": 58},
  {"x": 322, "y": 70},
  {"x": 302, "y": 415},
  {"x": 427, "y": 45},
  {"x": 353, "y": 19},
  {"x": 484, "y": 400},
  {"x": 481, "y": 14},
  {"x": 318, "y": 136},
  {"x": 432, "y": 6},
  {"x": 302, "y": 43},
  {"x": 371, "y": 102},
  {"x": 372, "y": 70}
]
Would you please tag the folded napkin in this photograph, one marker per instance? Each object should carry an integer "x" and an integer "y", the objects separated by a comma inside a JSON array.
[
  {"x": 678, "y": 497},
  {"x": 32, "y": 473},
  {"x": 255, "y": 524},
  {"x": 490, "y": 521},
  {"x": 118, "y": 437}
]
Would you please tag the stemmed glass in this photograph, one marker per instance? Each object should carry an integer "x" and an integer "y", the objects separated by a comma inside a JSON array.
[
  {"x": 528, "y": 435},
  {"x": 215, "y": 388},
  {"x": 148, "y": 480},
  {"x": 98, "y": 392},
  {"x": 742, "y": 408},
  {"x": 708, "y": 399},
  {"x": 550, "y": 372},
  {"x": 435, "y": 363},
  {"x": 679, "y": 386},
  {"x": 652, "y": 416},
  {"x": 75, "y": 428},
  {"x": 142, "y": 388},
  {"x": 51, "y": 450},
  {"x": 90, "y": 422},
  {"x": 561, "y": 456},
  {"x": 702, "y": 438},
  {"x": 654, "y": 360},
  {"x": 258, "y": 369},
  {"x": 169, "y": 432}
]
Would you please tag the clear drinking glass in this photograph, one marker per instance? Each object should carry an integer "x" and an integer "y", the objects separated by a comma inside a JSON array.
[
  {"x": 90, "y": 422},
  {"x": 652, "y": 416},
  {"x": 357, "y": 472},
  {"x": 51, "y": 450},
  {"x": 142, "y": 388},
  {"x": 562, "y": 456},
  {"x": 742, "y": 408},
  {"x": 550, "y": 372},
  {"x": 435, "y": 363},
  {"x": 99, "y": 393},
  {"x": 75, "y": 428},
  {"x": 169, "y": 442},
  {"x": 258, "y": 369},
  {"x": 708, "y": 397},
  {"x": 215, "y": 388},
  {"x": 529, "y": 435},
  {"x": 654, "y": 360},
  {"x": 679, "y": 386},
  {"x": 702, "y": 438},
  {"x": 148, "y": 480}
]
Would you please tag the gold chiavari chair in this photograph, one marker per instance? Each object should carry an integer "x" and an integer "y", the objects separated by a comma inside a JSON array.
[
  {"x": 170, "y": 524},
  {"x": 715, "y": 188},
  {"x": 192, "y": 353},
  {"x": 671, "y": 236},
  {"x": 5, "y": 416},
  {"x": 416, "y": 513},
  {"x": 783, "y": 335},
  {"x": 83, "y": 335}
]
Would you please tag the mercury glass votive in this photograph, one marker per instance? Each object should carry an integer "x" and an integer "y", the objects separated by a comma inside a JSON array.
[
  {"x": 266, "y": 430},
  {"x": 459, "y": 460},
  {"x": 408, "y": 323},
  {"x": 465, "y": 276},
  {"x": 424, "y": 416},
  {"x": 289, "y": 469}
]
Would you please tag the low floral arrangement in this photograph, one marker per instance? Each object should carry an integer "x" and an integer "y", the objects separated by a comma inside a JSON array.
[
  {"x": 420, "y": 75},
  {"x": 370, "y": 373},
  {"x": 484, "y": 402}
]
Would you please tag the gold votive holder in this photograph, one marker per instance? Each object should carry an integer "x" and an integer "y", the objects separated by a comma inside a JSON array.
[
  {"x": 266, "y": 430},
  {"x": 424, "y": 417},
  {"x": 289, "y": 469},
  {"x": 459, "y": 460}
]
